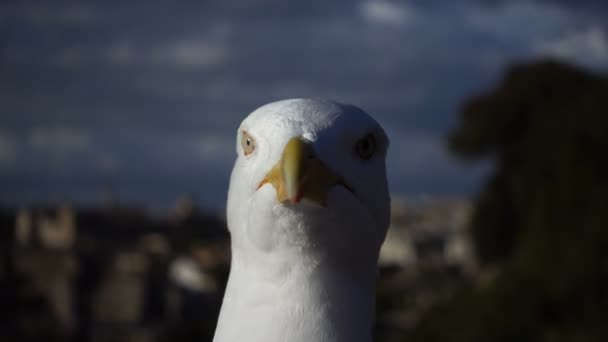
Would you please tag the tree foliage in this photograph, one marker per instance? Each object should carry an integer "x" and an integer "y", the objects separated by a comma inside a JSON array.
[{"x": 542, "y": 218}]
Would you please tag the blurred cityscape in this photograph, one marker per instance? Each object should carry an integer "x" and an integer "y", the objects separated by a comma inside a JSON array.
[{"x": 121, "y": 273}]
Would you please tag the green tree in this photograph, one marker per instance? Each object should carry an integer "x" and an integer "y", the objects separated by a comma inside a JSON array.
[{"x": 542, "y": 218}]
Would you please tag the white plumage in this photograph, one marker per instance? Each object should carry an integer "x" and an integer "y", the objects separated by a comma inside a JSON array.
[{"x": 305, "y": 243}]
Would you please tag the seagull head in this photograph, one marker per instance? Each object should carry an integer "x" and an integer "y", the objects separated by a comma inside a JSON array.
[{"x": 310, "y": 177}]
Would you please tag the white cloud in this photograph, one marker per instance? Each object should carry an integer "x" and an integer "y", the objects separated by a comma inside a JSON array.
[
  {"x": 47, "y": 15},
  {"x": 588, "y": 46},
  {"x": 71, "y": 56},
  {"x": 78, "y": 15},
  {"x": 197, "y": 54},
  {"x": 518, "y": 21},
  {"x": 190, "y": 54},
  {"x": 421, "y": 161},
  {"x": 108, "y": 163},
  {"x": 58, "y": 143},
  {"x": 8, "y": 150},
  {"x": 415, "y": 153},
  {"x": 387, "y": 13},
  {"x": 215, "y": 147},
  {"x": 185, "y": 54},
  {"x": 122, "y": 53}
]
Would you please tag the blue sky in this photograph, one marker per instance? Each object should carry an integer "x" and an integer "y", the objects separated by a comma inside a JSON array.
[{"x": 145, "y": 97}]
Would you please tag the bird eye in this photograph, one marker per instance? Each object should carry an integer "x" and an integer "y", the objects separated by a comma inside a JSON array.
[
  {"x": 247, "y": 143},
  {"x": 366, "y": 146}
]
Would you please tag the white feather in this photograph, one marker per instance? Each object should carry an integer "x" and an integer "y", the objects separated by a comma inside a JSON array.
[{"x": 303, "y": 272}]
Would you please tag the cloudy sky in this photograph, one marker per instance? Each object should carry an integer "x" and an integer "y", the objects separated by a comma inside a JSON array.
[{"x": 144, "y": 98}]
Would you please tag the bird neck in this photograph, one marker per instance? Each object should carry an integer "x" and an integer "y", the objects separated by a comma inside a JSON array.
[{"x": 298, "y": 298}]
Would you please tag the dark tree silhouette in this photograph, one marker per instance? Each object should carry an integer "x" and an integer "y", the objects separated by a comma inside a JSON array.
[{"x": 542, "y": 219}]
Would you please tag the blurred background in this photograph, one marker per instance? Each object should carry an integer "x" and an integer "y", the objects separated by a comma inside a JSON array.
[{"x": 117, "y": 136}]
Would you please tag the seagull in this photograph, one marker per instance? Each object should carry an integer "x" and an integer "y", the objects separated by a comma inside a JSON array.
[{"x": 308, "y": 210}]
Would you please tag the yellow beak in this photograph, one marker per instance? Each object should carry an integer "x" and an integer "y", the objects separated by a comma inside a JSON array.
[{"x": 300, "y": 174}]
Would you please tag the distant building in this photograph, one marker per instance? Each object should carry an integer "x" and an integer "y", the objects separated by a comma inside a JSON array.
[
  {"x": 51, "y": 228},
  {"x": 109, "y": 265},
  {"x": 429, "y": 232}
]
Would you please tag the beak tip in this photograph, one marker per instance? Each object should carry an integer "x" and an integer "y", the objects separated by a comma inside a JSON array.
[{"x": 295, "y": 199}]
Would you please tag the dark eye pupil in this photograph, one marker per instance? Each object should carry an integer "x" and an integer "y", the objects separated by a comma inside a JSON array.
[{"x": 365, "y": 145}]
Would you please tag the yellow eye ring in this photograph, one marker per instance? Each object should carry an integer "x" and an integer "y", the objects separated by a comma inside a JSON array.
[
  {"x": 366, "y": 147},
  {"x": 247, "y": 143}
]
